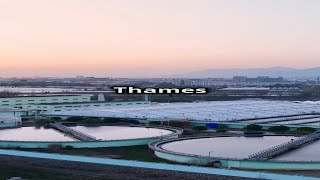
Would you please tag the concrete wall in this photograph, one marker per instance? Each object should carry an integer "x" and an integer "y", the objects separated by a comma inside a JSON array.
[
  {"x": 239, "y": 164},
  {"x": 79, "y": 144}
]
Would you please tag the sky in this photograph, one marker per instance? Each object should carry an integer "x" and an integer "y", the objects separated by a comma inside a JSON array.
[{"x": 151, "y": 38}]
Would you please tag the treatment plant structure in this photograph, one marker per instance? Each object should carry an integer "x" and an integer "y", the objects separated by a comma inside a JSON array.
[{"x": 266, "y": 152}]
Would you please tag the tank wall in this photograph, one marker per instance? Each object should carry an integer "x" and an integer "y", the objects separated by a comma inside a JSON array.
[
  {"x": 240, "y": 164},
  {"x": 76, "y": 144}
]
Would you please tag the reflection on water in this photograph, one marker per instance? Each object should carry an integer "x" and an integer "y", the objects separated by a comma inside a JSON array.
[
  {"x": 227, "y": 147},
  {"x": 32, "y": 134},
  {"x": 119, "y": 132},
  {"x": 102, "y": 132}
]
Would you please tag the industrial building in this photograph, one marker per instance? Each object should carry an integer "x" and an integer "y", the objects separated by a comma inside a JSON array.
[
  {"x": 216, "y": 111},
  {"x": 9, "y": 121},
  {"x": 82, "y": 105},
  {"x": 13, "y": 111},
  {"x": 23, "y": 104},
  {"x": 27, "y": 101}
]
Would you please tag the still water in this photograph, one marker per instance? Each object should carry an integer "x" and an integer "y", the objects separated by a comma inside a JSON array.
[
  {"x": 310, "y": 152},
  {"x": 120, "y": 132},
  {"x": 32, "y": 134},
  {"x": 226, "y": 147}
]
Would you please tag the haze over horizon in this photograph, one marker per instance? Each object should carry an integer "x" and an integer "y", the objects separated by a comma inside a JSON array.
[{"x": 150, "y": 38}]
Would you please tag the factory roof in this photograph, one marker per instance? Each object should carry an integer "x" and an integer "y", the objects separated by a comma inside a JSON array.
[{"x": 202, "y": 111}]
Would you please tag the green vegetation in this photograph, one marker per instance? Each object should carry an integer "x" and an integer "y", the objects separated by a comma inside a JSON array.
[
  {"x": 68, "y": 147},
  {"x": 305, "y": 130},
  {"x": 24, "y": 119},
  {"x": 43, "y": 122},
  {"x": 155, "y": 123},
  {"x": 279, "y": 129},
  {"x": 179, "y": 124},
  {"x": 199, "y": 128},
  {"x": 111, "y": 120},
  {"x": 253, "y": 127},
  {"x": 222, "y": 128},
  {"x": 56, "y": 118},
  {"x": 74, "y": 119},
  {"x": 132, "y": 122},
  {"x": 91, "y": 121}
]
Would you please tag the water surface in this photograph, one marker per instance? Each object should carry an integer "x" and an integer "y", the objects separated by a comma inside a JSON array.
[
  {"x": 32, "y": 134},
  {"x": 120, "y": 132},
  {"x": 226, "y": 147}
]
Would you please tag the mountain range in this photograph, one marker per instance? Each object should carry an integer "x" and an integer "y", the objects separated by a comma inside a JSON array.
[{"x": 285, "y": 72}]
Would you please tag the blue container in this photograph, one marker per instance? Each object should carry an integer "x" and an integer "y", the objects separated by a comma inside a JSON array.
[{"x": 212, "y": 125}]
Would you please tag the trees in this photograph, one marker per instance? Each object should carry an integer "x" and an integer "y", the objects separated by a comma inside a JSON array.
[
  {"x": 305, "y": 130},
  {"x": 199, "y": 128},
  {"x": 279, "y": 128},
  {"x": 253, "y": 127}
]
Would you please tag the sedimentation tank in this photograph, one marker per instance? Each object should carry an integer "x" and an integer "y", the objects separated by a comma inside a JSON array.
[
  {"x": 235, "y": 152},
  {"x": 106, "y": 136}
]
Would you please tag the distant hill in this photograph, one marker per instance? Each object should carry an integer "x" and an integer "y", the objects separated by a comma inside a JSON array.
[{"x": 289, "y": 73}]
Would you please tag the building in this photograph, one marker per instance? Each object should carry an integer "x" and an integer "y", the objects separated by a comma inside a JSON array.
[
  {"x": 13, "y": 112},
  {"x": 9, "y": 121},
  {"x": 82, "y": 105},
  {"x": 28, "y": 105},
  {"x": 27, "y": 101}
]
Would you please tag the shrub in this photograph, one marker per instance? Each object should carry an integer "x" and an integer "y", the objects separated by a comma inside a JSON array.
[
  {"x": 133, "y": 122},
  {"x": 279, "y": 128},
  {"x": 305, "y": 130},
  {"x": 24, "y": 119},
  {"x": 221, "y": 130},
  {"x": 199, "y": 128},
  {"x": 156, "y": 123},
  {"x": 74, "y": 118},
  {"x": 68, "y": 147},
  {"x": 91, "y": 121},
  {"x": 56, "y": 118},
  {"x": 222, "y": 126},
  {"x": 54, "y": 147},
  {"x": 179, "y": 124},
  {"x": 43, "y": 122},
  {"x": 253, "y": 127},
  {"x": 111, "y": 120}
]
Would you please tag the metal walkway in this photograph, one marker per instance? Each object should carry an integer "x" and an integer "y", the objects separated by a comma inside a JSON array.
[
  {"x": 284, "y": 147},
  {"x": 72, "y": 132}
]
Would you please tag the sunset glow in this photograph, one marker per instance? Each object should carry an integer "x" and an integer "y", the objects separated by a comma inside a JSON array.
[{"x": 136, "y": 38}]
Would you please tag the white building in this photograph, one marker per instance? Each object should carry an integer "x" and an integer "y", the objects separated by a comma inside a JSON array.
[
  {"x": 53, "y": 107},
  {"x": 28, "y": 101},
  {"x": 9, "y": 121},
  {"x": 13, "y": 112}
]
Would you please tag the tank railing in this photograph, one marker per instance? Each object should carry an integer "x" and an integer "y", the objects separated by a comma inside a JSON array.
[
  {"x": 72, "y": 132},
  {"x": 281, "y": 148}
]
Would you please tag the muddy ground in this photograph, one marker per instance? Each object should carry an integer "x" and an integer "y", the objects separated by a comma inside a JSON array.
[{"x": 32, "y": 168}]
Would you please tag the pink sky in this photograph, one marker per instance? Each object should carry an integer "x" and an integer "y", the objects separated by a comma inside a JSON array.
[{"x": 155, "y": 37}]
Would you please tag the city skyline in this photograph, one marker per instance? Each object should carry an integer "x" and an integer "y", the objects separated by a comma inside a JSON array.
[{"x": 155, "y": 38}]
